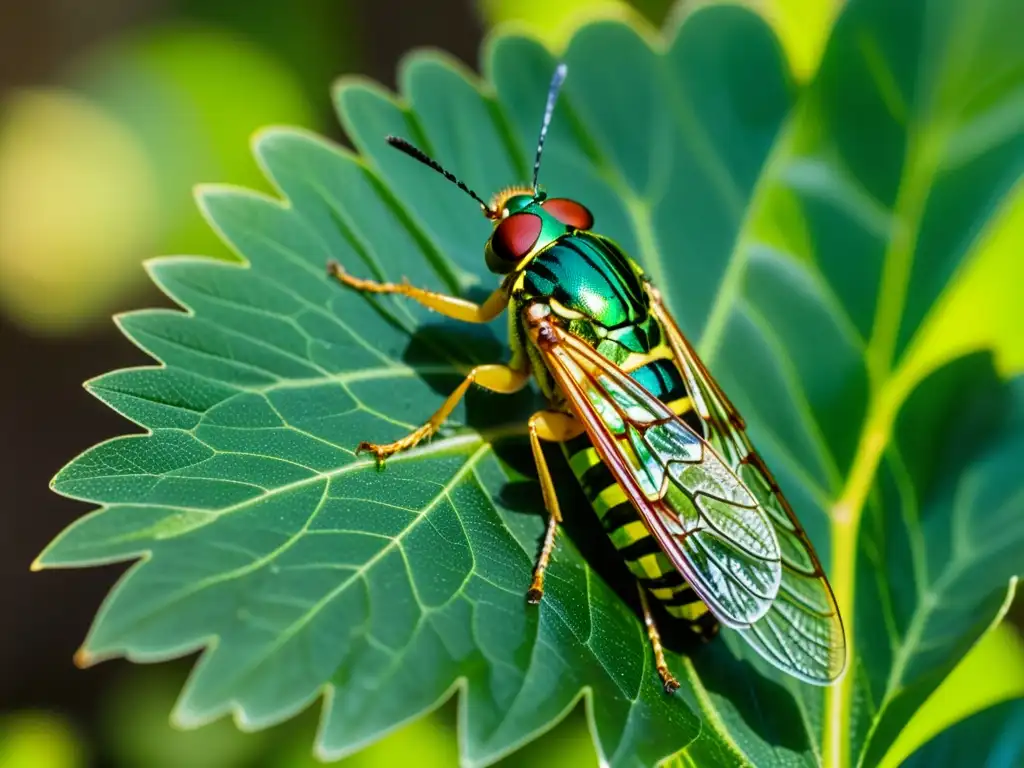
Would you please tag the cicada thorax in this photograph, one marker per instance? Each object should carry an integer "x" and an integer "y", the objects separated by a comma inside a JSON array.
[{"x": 598, "y": 294}]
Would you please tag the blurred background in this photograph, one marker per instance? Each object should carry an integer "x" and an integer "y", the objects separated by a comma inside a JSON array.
[{"x": 110, "y": 112}]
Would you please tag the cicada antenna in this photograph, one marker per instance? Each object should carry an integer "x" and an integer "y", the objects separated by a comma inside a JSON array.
[
  {"x": 556, "y": 85},
  {"x": 418, "y": 154}
]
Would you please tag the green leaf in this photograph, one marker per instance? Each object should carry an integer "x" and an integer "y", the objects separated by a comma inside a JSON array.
[
  {"x": 302, "y": 571},
  {"x": 993, "y": 738},
  {"x": 908, "y": 140},
  {"x": 946, "y": 556},
  {"x": 991, "y": 673}
]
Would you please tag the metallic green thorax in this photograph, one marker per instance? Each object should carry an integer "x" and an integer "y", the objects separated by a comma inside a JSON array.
[
  {"x": 589, "y": 283},
  {"x": 593, "y": 286}
]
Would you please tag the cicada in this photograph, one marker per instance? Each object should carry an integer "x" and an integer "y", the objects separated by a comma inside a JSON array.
[{"x": 660, "y": 451}]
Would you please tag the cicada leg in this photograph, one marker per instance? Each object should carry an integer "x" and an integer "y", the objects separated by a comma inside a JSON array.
[
  {"x": 449, "y": 306},
  {"x": 494, "y": 377},
  {"x": 552, "y": 427},
  {"x": 667, "y": 680}
]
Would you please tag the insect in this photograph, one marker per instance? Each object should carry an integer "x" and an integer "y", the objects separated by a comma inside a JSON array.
[{"x": 659, "y": 449}]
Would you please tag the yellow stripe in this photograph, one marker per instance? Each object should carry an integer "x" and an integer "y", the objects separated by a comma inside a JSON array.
[
  {"x": 563, "y": 311},
  {"x": 610, "y": 497},
  {"x": 680, "y": 406},
  {"x": 584, "y": 460},
  {"x": 627, "y": 534},
  {"x": 650, "y": 566},
  {"x": 640, "y": 359},
  {"x": 690, "y": 612}
]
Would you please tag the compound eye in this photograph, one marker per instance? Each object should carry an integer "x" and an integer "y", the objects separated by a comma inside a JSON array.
[
  {"x": 569, "y": 212},
  {"x": 515, "y": 236}
]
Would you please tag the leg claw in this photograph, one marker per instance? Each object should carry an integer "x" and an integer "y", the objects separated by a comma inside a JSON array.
[
  {"x": 536, "y": 590},
  {"x": 407, "y": 442},
  {"x": 375, "y": 449},
  {"x": 669, "y": 682}
]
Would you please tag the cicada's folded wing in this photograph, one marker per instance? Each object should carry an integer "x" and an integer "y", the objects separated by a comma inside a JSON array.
[
  {"x": 705, "y": 520},
  {"x": 802, "y": 633}
]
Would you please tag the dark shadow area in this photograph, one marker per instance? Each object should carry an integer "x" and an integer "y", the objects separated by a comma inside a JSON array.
[
  {"x": 765, "y": 706},
  {"x": 467, "y": 345},
  {"x": 449, "y": 341}
]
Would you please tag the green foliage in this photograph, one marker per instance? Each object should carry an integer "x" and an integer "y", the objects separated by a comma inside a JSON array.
[
  {"x": 802, "y": 235},
  {"x": 993, "y": 672},
  {"x": 993, "y": 738}
]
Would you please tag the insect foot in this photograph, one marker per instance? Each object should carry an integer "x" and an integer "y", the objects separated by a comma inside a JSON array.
[
  {"x": 380, "y": 451},
  {"x": 536, "y": 590},
  {"x": 670, "y": 684}
]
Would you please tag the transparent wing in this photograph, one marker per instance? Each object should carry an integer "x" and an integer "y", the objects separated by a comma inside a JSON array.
[
  {"x": 703, "y": 517},
  {"x": 802, "y": 633}
]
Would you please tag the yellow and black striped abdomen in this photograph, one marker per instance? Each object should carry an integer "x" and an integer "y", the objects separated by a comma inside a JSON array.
[{"x": 619, "y": 517}]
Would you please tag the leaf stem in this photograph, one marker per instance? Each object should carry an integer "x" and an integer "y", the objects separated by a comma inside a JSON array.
[
  {"x": 845, "y": 516},
  {"x": 890, "y": 381}
]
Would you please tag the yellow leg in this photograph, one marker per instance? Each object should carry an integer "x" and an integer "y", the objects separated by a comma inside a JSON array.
[
  {"x": 495, "y": 377},
  {"x": 449, "y": 306},
  {"x": 667, "y": 680},
  {"x": 553, "y": 427}
]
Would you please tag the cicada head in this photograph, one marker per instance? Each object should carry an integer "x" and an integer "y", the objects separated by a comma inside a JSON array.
[
  {"x": 525, "y": 219},
  {"x": 526, "y": 222}
]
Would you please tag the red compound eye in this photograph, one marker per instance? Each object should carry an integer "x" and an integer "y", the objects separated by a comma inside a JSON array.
[
  {"x": 515, "y": 236},
  {"x": 569, "y": 212}
]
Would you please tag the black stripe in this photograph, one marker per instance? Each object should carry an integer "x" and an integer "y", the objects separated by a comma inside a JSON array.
[
  {"x": 666, "y": 381},
  {"x": 579, "y": 443},
  {"x": 692, "y": 420},
  {"x": 641, "y": 334},
  {"x": 602, "y": 273},
  {"x": 706, "y": 626},
  {"x": 654, "y": 336},
  {"x": 645, "y": 546},
  {"x": 683, "y": 597},
  {"x": 669, "y": 386},
  {"x": 673, "y": 382},
  {"x": 665, "y": 581},
  {"x": 621, "y": 514},
  {"x": 595, "y": 480},
  {"x": 622, "y": 268},
  {"x": 544, "y": 272}
]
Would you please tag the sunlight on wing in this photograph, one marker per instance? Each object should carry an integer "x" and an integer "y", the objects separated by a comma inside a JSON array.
[
  {"x": 802, "y": 633},
  {"x": 705, "y": 520}
]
